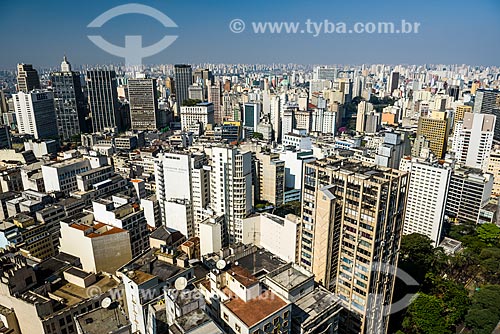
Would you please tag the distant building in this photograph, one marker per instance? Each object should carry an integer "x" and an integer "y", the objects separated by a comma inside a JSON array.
[
  {"x": 27, "y": 78},
  {"x": 35, "y": 114},
  {"x": 69, "y": 101},
  {"x": 144, "y": 112},
  {"x": 473, "y": 139},
  {"x": 103, "y": 100},
  {"x": 183, "y": 79}
]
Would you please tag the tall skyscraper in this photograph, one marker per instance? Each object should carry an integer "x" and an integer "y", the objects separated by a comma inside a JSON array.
[
  {"x": 352, "y": 222},
  {"x": 183, "y": 79},
  {"x": 231, "y": 188},
  {"x": 427, "y": 193},
  {"x": 251, "y": 117},
  {"x": 473, "y": 138},
  {"x": 488, "y": 102},
  {"x": 459, "y": 114},
  {"x": 182, "y": 189},
  {"x": 69, "y": 101},
  {"x": 27, "y": 78},
  {"x": 204, "y": 78},
  {"x": 470, "y": 189},
  {"x": 103, "y": 100},
  {"x": 35, "y": 114},
  {"x": 144, "y": 112},
  {"x": 393, "y": 82},
  {"x": 435, "y": 130},
  {"x": 214, "y": 96}
]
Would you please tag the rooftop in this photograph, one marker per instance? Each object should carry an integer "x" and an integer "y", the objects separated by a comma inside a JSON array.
[
  {"x": 289, "y": 276},
  {"x": 102, "y": 320},
  {"x": 147, "y": 266},
  {"x": 243, "y": 276},
  {"x": 257, "y": 309},
  {"x": 73, "y": 294}
]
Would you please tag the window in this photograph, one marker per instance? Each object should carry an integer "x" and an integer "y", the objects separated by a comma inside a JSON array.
[
  {"x": 238, "y": 328},
  {"x": 276, "y": 321},
  {"x": 287, "y": 313},
  {"x": 226, "y": 317}
]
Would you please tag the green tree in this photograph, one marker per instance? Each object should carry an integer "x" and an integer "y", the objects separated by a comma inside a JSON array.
[
  {"x": 484, "y": 313},
  {"x": 258, "y": 135},
  {"x": 489, "y": 233},
  {"x": 416, "y": 255},
  {"x": 425, "y": 316}
]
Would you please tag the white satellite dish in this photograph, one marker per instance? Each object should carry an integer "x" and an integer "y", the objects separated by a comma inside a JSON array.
[
  {"x": 106, "y": 302},
  {"x": 221, "y": 264},
  {"x": 181, "y": 283}
]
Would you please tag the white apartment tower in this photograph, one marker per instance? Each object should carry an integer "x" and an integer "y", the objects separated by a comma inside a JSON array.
[
  {"x": 231, "y": 188},
  {"x": 426, "y": 201},
  {"x": 473, "y": 138},
  {"x": 35, "y": 113},
  {"x": 182, "y": 189}
]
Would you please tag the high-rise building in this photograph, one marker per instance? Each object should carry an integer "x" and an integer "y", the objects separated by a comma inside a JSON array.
[
  {"x": 35, "y": 114},
  {"x": 27, "y": 78},
  {"x": 197, "y": 117},
  {"x": 182, "y": 186},
  {"x": 204, "y": 78},
  {"x": 352, "y": 222},
  {"x": 325, "y": 73},
  {"x": 459, "y": 114},
  {"x": 393, "y": 82},
  {"x": 144, "y": 112},
  {"x": 183, "y": 79},
  {"x": 69, "y": 101},
  {"x": 427, "y": 193},
  {"x": 494, "y": 169},
  {"x": 231, "y": 188},
  {"x": 251, "y": 117},
  {"x": 470, "y": 189},
  {"x": 473, "y": 138},
  {"x": 488, "y": 102},
  {"x": 363, "y": 109},
  {"x": 214, "y": 96},
  {"x": 271, "y": 178},
  {"x": 103, "y": 100},
  {"x": 435, "y": 130}
]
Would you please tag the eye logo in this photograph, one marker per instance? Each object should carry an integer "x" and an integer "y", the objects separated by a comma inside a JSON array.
[{"x": 133, "y": 51}]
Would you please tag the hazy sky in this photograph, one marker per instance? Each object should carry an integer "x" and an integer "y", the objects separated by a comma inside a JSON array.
[{"x": 40, "y": 32}]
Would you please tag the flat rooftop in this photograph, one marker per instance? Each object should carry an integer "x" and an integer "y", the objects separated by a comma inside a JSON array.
[
  {"x": 288, "y": 277},
  {"x": 74, "y": 294},
  {"x": 314, "y": 304},
  {"x": 257, "y": 309},
  {"x": 102, "y": 320},
  {"x": 147, "y": 266},
  {"x": 195, "y": 322}
]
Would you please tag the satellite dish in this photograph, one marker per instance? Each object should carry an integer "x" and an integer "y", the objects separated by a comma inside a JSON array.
[
  {"x": 221, "y": 264},
  {"x": 106, "y": 302},
  {"x": 181, "y": 283}
]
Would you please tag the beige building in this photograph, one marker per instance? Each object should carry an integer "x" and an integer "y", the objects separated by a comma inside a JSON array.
[
  {"x": 100, "y": 247},
  {"x": 494, "y": 169},
  {"x": 352, "y": 222},
  {"x": 271, "y": 177},
  {"x": 459, "y": 114},
  {"x": 435, "y": 130}
]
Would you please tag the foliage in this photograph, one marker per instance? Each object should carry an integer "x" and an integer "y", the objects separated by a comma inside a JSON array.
[
  {"x": 425, "y": 316},
  {"x": 484, "y": 313},
  {"x": 489, "y": 233},
  {"x": 190, "y": 102},
  {"x": 258, "y": 135},
  {"x": 290, "y": 207}
]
